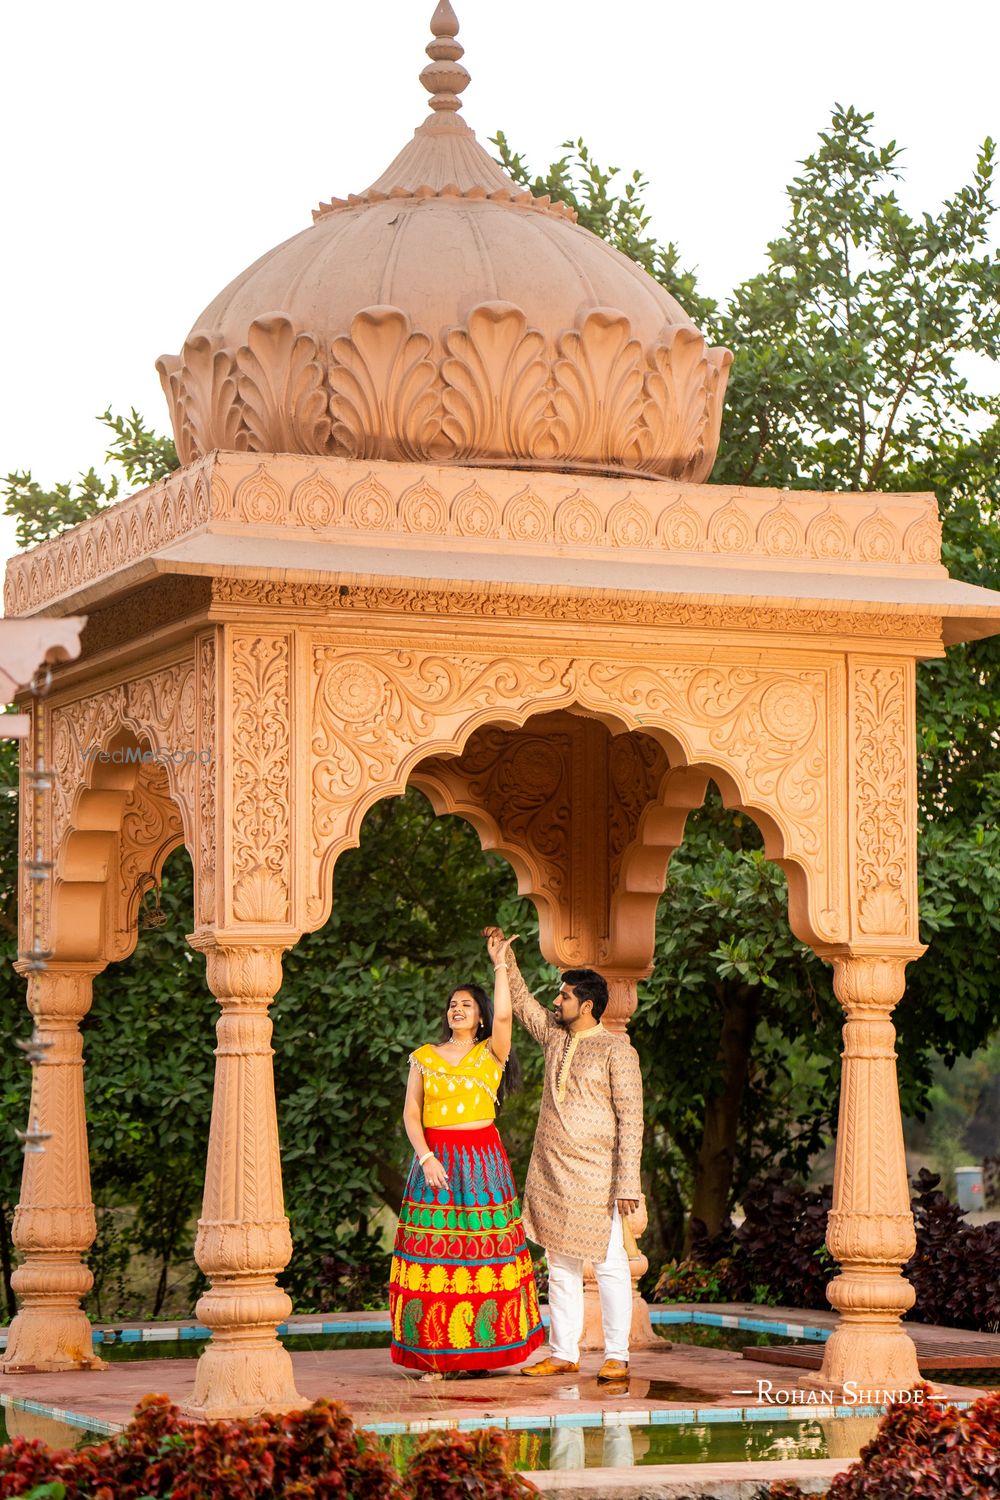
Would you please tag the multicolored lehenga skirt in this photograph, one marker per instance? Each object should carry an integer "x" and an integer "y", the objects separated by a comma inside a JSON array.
[{"x": 462, "y": 1292}]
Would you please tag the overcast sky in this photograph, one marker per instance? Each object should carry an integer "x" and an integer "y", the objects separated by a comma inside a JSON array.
[{"x": 153, "y": 151}]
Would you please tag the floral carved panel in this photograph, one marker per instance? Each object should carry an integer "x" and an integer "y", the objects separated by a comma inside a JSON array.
[
  {"x": 516, "y": 787},
  {"x": 884, "y": 817},
  {"x": 207, "y": 773},
  {"x": 260, "y": 796},
  {"x": 151, "y": 828}
]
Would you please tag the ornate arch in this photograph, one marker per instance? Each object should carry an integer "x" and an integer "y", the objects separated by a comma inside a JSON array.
[
  {"x": 127, "y": 776},
  {"x": 770, "y": 735}
]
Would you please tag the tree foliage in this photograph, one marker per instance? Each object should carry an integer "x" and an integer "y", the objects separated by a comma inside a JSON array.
[
  {"x": 852, "y": 347},
  {"x": 143, "y": 456}
]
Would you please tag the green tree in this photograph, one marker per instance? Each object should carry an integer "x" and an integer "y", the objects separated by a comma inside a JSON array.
[
  {"x": 850, "y": 354},
  {"x": 143, "y": 456}
]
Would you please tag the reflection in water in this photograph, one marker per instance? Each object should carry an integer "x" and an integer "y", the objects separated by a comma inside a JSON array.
[
  {"x": 48, "y": 1430},
  {"x": 638, "y": 1389},
  {"x": 573, "y": 1448}
]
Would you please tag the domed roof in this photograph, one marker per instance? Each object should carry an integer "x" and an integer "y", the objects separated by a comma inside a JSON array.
[{"x": 447, "y": 315}]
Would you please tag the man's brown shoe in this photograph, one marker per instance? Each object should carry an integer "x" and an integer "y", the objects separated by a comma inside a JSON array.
[
  {"x": 550, "y": 1366},
  {"x": 613, "y": 1369}
]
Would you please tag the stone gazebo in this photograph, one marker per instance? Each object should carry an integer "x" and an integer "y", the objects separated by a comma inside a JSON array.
[{"x": 443, "y": 521}]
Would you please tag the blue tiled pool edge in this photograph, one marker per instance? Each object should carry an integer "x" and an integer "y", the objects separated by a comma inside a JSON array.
[{"x": 156, "y": 1333}]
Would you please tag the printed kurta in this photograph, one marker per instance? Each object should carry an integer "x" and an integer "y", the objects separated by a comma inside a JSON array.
[{"x": 588, "y": 1143}]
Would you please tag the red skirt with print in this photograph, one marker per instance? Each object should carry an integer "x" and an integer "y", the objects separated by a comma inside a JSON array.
[{"x": 462, "y": 1291}]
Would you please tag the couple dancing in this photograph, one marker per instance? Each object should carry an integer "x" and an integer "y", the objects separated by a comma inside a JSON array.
[{"x": 462, "y": 1291}]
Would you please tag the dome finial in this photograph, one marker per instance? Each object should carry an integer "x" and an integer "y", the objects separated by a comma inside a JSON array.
[{"x": 444, "y": 77}]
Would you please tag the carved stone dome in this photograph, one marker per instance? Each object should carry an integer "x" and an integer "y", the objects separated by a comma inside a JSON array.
[{"x": 446, "y": 315}]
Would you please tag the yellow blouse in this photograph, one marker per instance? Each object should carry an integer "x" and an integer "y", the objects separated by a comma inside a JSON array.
[{"x": 460, "y": 1093}]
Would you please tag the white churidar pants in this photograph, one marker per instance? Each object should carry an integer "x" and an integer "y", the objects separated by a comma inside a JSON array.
[{"x": 566, "y": 1299}]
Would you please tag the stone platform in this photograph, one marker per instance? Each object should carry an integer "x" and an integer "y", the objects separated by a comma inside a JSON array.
[{"x": 672, "y": 1384}]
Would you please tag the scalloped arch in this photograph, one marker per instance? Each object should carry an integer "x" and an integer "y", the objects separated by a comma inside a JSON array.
[{"x": 764, "y": 734}]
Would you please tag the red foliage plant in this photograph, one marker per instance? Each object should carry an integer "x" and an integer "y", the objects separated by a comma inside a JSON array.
[
  {"x": 466, "y": 1466},
  {"x": 923, "y": 1452},
  {"x": 315, "y": 1454}
]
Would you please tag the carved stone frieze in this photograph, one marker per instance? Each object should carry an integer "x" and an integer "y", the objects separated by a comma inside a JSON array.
[
  {"x": 150, "y": 713},
  {"x": 563, "y": 800},
  {"x": 522, "y": 782},
  {"x": 657, "y": 519},
  {"x": 637, "y": 765},
  {"x": 621, "y": 608}
]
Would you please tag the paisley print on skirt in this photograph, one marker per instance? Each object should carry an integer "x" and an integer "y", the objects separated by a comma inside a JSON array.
[{"x": 462, "y": 1292}]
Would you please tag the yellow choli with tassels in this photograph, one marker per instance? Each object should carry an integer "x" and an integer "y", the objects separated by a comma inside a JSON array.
[{"x": 461, "y": 1093}]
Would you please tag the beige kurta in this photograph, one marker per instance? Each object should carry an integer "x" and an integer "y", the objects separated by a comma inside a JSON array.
[{"x": 588, "y": 1143}]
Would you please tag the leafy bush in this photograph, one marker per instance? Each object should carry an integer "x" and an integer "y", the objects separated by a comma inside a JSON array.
[
  {"x": 315, "y": 1454},
  {"x": 921, "y": 1453},
  {"x": 465, "y": 1466},
  {"x": 778, "y": 1255},
  {"x": 956, "y": 1269}
]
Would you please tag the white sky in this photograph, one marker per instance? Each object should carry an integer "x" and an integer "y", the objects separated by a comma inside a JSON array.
[{"x": 153, "y": 151}]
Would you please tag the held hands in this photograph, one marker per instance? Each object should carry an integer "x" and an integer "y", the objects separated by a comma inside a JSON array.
[{"x": 497, "y": 945}]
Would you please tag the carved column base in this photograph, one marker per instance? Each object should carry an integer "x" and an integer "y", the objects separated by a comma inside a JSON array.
[
  {"x": 42, "y": 1339},
  {"x": 869, "y": 1358},
  {"x": 245, "y": 1370},
  {"x": 870, "y": 1346},
  {"x": 50, "y": 1331}
]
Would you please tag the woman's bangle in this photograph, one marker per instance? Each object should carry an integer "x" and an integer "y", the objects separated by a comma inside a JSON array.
[{"x": 426, "y": 1157}]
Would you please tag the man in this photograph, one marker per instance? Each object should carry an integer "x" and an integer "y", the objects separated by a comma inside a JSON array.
[{"x": 584, "y": 1173}]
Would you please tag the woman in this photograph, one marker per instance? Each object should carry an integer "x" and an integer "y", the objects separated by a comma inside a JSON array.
[{"x": 462, "y": 1292}]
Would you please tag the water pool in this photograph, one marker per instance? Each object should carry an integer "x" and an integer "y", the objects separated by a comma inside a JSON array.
[{"x": 625, "y": 1446}]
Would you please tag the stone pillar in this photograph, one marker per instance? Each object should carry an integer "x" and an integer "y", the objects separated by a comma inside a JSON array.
[
  {"x": 243, "y": 1236},
  {"x": 54, "y": 1225},
  {"x": 870, "y": 1230}
]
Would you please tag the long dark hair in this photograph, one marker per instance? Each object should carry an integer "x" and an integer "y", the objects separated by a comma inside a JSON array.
[{"x": 510, "y": 1079}]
